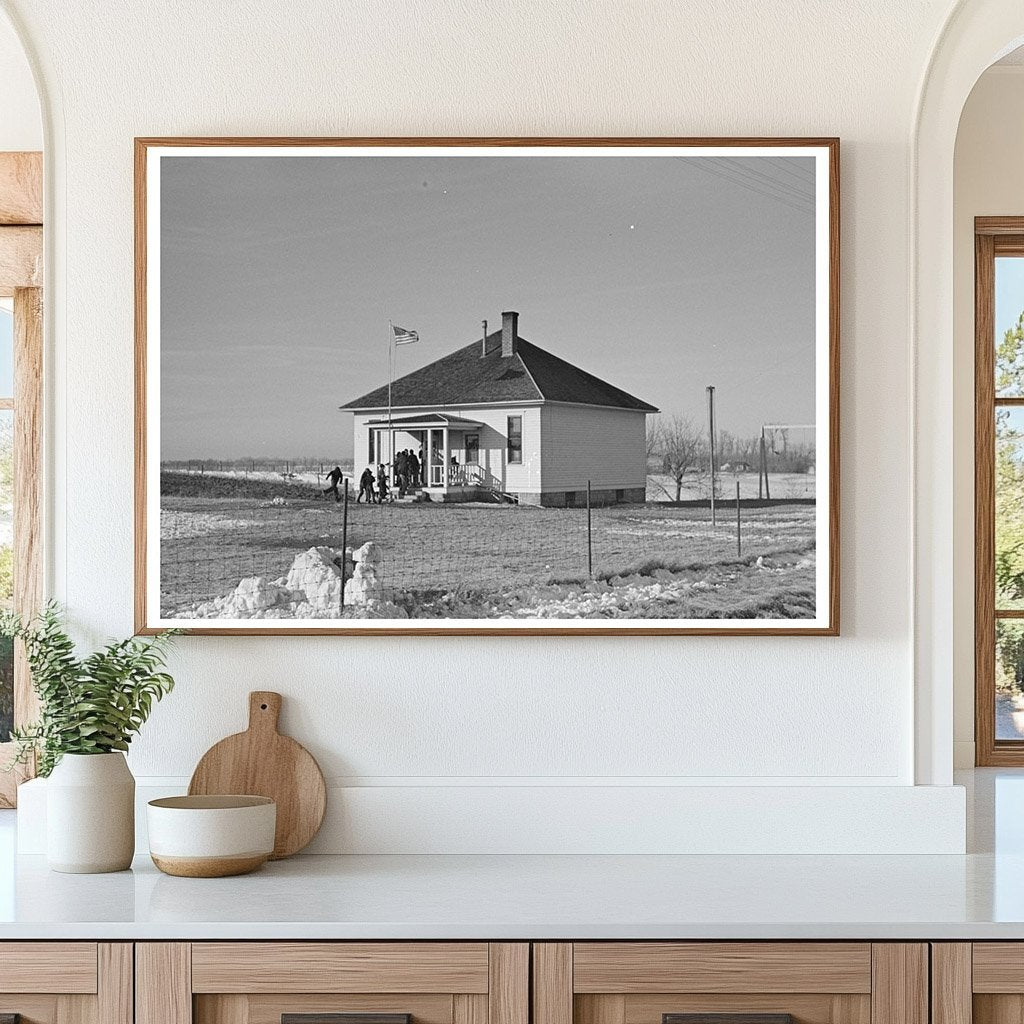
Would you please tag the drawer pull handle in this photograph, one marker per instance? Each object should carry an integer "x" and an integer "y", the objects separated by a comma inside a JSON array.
[
  {"x": 727, "y": 1018},
  {"x": 340, "y": 1018}
]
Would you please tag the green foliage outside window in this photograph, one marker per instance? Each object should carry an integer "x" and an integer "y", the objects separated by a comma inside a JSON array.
[
  {"x": 6, "y": 688},
  {"x": 1009, "y": 508}
]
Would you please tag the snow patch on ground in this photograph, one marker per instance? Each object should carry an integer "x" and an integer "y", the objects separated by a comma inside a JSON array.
[
  {"x": 312, "y": 589},
  {"x": 184, "y": 525}
]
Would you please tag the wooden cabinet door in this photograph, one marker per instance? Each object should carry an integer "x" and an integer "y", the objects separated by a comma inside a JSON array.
[
  {"x": 66, "y": 982},
  {"x": 730, "y": 983},
  {"x": 332, "y": 983},
  {"x": 978, "y": 983}
]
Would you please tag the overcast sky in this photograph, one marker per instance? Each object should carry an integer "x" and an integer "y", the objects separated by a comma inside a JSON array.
[{"x": 279, "y": 275}]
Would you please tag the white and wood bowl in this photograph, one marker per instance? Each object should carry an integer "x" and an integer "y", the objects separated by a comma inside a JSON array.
[{"x": 211, "y": 836}]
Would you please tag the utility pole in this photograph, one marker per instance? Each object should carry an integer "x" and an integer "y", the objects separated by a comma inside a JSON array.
[
  {"x": 760, "y": 466},
  {"x": 711, "y": 449}
]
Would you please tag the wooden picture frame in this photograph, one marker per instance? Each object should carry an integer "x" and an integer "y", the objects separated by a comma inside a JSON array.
[{"x": 819, "y": 616}]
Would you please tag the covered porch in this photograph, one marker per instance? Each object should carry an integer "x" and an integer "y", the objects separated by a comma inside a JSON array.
[{"x": 447, "y": 448}]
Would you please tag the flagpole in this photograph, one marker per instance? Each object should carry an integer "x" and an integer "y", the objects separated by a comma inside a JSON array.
[{"x": 391, "y": 377}]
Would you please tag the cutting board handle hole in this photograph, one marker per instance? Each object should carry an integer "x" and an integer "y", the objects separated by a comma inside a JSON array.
[{"x": 263, "y": 707}]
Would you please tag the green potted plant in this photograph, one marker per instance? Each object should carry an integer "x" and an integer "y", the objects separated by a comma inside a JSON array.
[{"x": 90, "y": 708}]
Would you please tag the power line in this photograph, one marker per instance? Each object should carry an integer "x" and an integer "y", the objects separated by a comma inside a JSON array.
[
  {"x": 779, "y": 192},
  {"x": 765, "y": 181}
]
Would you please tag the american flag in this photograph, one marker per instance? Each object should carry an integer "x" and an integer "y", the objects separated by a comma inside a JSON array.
[{"x": 404, "y": 337}]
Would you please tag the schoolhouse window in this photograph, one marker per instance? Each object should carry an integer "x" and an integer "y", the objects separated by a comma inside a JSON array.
[
  {"x": 472, "y": 449},
  {"x": 371, "y": 456},
  {"x": 515, "y": 439}
]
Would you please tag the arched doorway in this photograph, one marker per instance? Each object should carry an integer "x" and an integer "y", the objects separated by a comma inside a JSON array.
[{"x": 976, "y": 34}]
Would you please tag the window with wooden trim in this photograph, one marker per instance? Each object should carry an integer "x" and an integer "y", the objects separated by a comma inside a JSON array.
[
  {"x": 999, "y": 490},
  {"x": 21, "y": 368}
]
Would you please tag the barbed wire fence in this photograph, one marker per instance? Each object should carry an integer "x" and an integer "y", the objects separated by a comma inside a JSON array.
[{"x": 210, "y": 546}]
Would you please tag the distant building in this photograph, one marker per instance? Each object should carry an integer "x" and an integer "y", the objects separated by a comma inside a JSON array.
[{"x": 502, "y": 416}]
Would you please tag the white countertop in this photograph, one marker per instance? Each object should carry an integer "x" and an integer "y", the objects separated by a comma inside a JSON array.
[
  {"x": 977, "y": 896},
  {"x": 516, "y": 897}
]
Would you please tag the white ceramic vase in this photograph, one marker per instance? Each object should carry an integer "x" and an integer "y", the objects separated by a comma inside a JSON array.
[{"x": 90, "y": 814}]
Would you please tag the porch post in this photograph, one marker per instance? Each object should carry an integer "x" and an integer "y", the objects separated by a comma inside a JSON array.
[{"x": 447, "y": 458}]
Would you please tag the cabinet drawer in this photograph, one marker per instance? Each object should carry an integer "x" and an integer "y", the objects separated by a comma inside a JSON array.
[
  {"x": 332, "y": 983},
  {"x": 998, "y": 967},
  {"x": 65, "y": 967},
  {"x": 730, "y": 983},
  {"x": 635, "y": 967},
  {"x": 340, "y": 967}
]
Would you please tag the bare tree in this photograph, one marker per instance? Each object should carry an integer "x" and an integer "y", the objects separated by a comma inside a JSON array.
[
  {"x": 681, "y": 445},
  {"x": 654, "y": 432}
]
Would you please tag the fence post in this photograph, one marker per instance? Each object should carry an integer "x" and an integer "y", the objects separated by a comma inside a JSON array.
[
  {"x": 590, "y": 538},
  {"x": 344, "y": 544}
]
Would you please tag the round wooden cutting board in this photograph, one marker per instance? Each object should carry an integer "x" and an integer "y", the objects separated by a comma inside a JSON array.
[{"x": 262, "y": 762}]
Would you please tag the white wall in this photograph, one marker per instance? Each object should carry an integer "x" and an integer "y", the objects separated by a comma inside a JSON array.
[
  {"x": 608, "y": 446},
  {"x": 455, "y": 713},
  {"x": 987, "y": 181},
  {"x": 20, "y": 124}
]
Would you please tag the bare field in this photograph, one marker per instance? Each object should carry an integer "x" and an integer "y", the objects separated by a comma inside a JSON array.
[{"x": 483, "y": 561}]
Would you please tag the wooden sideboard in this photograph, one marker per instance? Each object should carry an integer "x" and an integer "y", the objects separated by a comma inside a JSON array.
[{"x": 511, "y": 983}]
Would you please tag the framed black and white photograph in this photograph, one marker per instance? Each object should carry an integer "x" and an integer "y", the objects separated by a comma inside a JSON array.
[{"x": 487, "y": 385}]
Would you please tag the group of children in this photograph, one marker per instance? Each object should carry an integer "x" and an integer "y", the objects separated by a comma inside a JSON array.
[
  {"x": 408, "y": 473},
  {"x": 366, "y": 486}
]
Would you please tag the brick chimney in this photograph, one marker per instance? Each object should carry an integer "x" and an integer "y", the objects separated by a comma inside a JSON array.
[{"x": 509, "y": 333}]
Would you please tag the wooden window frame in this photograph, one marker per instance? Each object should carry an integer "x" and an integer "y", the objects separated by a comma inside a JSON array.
[
  {"x": 993, "y": 237},
  {"x": 21, "y": 278},
  {"x": 517, "y": 461}
]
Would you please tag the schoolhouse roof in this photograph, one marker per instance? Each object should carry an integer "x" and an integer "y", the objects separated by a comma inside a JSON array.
[{"x": 467, "y": 376}]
